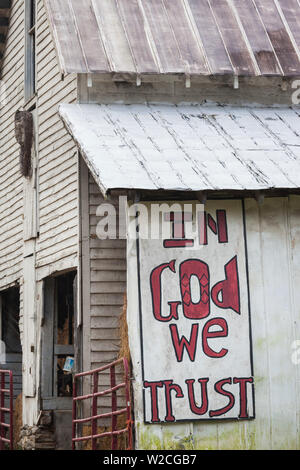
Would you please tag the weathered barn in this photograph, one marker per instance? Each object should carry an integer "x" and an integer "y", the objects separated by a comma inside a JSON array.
[{"x": 126, "y": 104}]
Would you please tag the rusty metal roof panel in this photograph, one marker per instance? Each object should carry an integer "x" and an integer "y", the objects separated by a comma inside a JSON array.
[
  {"x": 194, "y": 37},
  {"x": 187, "y": 148}
]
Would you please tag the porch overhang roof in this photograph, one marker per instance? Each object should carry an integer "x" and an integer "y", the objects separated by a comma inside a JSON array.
[{"x": 187, "y": 147}]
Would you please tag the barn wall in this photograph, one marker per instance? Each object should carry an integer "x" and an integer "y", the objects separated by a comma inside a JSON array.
[
  {"x": 169, "y": 89},
  {"x": 57, "y": 245},
  {"x": 273, "y": 254},
  {"x": 103, "y": 284},
  {"x": 11, "y": 184}
]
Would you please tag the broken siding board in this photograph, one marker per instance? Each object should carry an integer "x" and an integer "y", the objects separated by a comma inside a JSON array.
[
  {"x": 290, "y": 9},
  {"x": 210, "y": 35},
  {"x": 89, "y": 36},
  {"x": 258, "y": 38},
  {"x": 163, "y": 37},
  {"x": 138, "y": 38},
  {"x": 113, "y": 36},
  {"x": 233, "y": 38},
  {"x": 279, "y": 37},
  {"x": 191, "y": 52}
]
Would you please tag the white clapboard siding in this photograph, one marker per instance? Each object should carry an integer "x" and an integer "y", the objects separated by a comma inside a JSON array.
[
  {"x": 104, "y": 285},
  {"x": 58, "y": 208},
  {"x": 11, "y": 184}
]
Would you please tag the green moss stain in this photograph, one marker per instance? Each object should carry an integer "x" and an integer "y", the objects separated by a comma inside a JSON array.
[{"x": 211, "y": 436}]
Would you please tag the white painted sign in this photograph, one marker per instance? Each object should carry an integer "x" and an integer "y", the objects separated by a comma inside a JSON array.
[{"x": 195, "y": 315}]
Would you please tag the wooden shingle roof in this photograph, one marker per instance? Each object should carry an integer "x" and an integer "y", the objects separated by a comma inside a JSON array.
[{"x": 192, "y": 37}]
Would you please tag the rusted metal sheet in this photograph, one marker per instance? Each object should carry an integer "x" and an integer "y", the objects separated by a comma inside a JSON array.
[
  {"x": 233, "y": 38},
  {"x": 192, "y": 55},
  {"x": 113, "y": 35},
  {"x": 69, "y": 49},
  {"x": 211, "y": 37},
  {"x": 163, "y": 37},
  {"x": 177, "y": 36},
  {"x": 258, "y": 39},
  {"x": 134, "y": 25},
  {"x": 290, "y": 9},
  {"x": 186, "y": 147},
  {"x": 87, "y": 27},
  {"x": 280, "y": 36}
]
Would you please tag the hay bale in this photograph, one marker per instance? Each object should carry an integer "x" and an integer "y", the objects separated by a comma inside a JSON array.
[
  {"x": 104, "y": 443},
  {"x": 18, "y": 420},
  {"x": 123, "y": 328}
]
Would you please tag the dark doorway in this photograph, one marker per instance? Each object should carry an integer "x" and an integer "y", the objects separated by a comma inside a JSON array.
[
  {"x": 58, "y": 353},
  {"x": 11, "y": 359}
]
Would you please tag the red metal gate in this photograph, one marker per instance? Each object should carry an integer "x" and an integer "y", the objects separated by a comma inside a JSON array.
[
  {"x": 6, "y": 428},
  {"x": 115, "y": 412}
]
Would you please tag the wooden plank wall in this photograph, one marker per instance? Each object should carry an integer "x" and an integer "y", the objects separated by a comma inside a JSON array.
[
  {"x": 11, "y": 185},
  {"x": 273, "y": 244},
  {"x": 273, "y": 256},
  {"x": 104, "y": 285},
  {"x": 57, "y": 245},
  {"x": 58, "y": 207}
]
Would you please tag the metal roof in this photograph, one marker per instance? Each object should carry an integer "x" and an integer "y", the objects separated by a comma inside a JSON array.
[
  {"x": 193, "y": 37},
  {"x": 187, "y": 147}
]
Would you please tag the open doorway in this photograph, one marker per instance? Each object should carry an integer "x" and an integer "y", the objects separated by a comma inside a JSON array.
[{"x": 58, "y": 353}]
